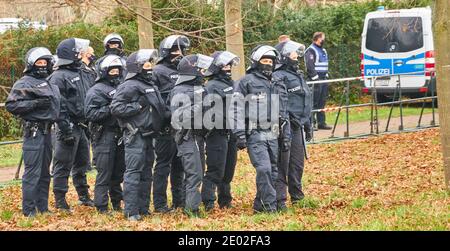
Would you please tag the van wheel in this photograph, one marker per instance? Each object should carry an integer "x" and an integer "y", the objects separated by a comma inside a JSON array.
[{"x": 382, "y": 98}]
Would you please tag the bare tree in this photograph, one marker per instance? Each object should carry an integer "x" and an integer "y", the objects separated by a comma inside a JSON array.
[
  {"x": 442, "y": 35},
  {"x": 234, "y": 34},
  {"x": 145, "y": 28}
]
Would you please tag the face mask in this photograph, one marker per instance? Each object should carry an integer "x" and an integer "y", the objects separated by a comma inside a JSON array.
[
  {"x": 92, "y": 59},
  {"x": 322, "y": 43},
  {"x": 113, "y": 79},
  {"x": 146, "y": 75},
  {"x": 293, "y": 64},
  {"x": 115, "y": 51},
  {"x": 225, "y": 74},
  {"x": 176, "y": 59},
  {"x": 266, "y": 69},
  {"x": 40, "y": 71}
]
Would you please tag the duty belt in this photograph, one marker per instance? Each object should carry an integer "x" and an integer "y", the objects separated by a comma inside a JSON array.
[{"x": 33, "y": 127}]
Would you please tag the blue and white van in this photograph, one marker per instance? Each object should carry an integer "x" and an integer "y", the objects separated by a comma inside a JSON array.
[{"x": 398, "y": 42}]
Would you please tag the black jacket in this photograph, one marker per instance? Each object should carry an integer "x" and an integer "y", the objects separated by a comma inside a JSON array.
[
  {"x": 299, "y": 95},
  {"x": 257, "y": 89},
  {"x": 73, "y": 93},
  {"x": 125, "y": 106},
  {"x": 23, "y": 101},
  {"x": 97, "y": 104}
]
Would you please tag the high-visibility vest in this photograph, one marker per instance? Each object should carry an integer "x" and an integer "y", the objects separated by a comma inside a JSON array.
[{"x": 321, "y": 64}]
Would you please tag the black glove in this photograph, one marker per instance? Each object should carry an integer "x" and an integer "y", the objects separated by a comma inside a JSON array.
[
  {"x": 241, "y": 142},
  {"x": 143, "y": 101},
  {"x": 43, "y": 103},
  {"x": 308, "y": 134},
  {"x": 285, "y": 144},
  {"x": 68, "y": 138}
]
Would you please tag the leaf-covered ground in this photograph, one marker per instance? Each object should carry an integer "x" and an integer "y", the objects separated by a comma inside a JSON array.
[{"x": 392, "y": 182}]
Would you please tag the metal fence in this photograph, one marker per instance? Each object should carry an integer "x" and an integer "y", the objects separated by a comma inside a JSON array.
[{"x": 397, "y": 99}]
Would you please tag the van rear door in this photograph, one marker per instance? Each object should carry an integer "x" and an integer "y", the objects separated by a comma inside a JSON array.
[{"x": 395, "y": 45}]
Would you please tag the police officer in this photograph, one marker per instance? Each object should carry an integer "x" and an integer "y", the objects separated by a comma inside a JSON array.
[
  {"x": 140, "y": 111},
  {"x": 109, "y": 154},
  {"x": 316, "y": 60},
  {"x": 186, "y": 103},
  {"x": 290, "y": 168},
  {"x": 221, "y": 149},
  {"x": 72, "y": 145},
  {"x": 87, "y": 67},
  {"x": 259, "y": 122},
  {"x": 114, "y": 45},
  {"x": 37, "y": 102},
  {"x": 172, "y": 49}
]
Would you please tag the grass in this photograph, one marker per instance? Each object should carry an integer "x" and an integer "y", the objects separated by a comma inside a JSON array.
[
  {"x": 10, "y": 155},
  {"x": 363, "y": 114},
  {"x": 400, "y": 188}
]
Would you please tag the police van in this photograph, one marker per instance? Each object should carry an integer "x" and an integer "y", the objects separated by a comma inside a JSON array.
[{"x": 398, "y": 42}]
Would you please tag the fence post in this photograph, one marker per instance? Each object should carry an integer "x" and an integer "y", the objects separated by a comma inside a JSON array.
[
  {"x": 433, "y": 122},
  {"x": 347, "y": 103},
  {"x": 400, "y": 128}
]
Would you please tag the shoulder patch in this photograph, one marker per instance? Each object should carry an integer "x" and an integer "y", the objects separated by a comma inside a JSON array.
[
  {"x": 44, "y": 84},
  {"x": 149, "y": 90},
  {"x": 228, "y": 89},
  {"x": 294, "y": 89},
  {"x": 201, "y": 90},
  {"x": 75, "y": 79},
  {"x": 111, "y": 93}
]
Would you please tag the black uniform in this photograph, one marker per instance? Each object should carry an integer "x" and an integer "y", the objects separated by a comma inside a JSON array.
[
  {"x": 38, "y": 103},
  {"x": 88, "y": 75},
  {"x": 190, "y": 138},
  {"x": 71, "y": 156},
  {"x": 165, "y": 75},
  {"x": 139, "y": 155},
  {"x": 290, "y": 169},
  {"x": 221, "y": 148},
  {"x": 262, "y": 132},
  {"x": 109, "y": 154}
]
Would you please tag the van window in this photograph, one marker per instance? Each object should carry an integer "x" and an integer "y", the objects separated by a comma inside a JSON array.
[{"x": 394, "y": 34}]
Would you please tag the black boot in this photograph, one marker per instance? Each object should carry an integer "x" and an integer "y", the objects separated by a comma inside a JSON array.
[
  {"x": 116, "y": 206},
  {"x": 60, "y": 202},
  {"x": 85, "y": 200}
]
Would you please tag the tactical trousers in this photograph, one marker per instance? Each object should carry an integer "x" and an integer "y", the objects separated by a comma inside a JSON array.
[
  {"x": 110, "y": 169},
  {"x": 290, "y": 170},
  {"x": 167, "y": 162},
  {"x": 190, "y": 151},
  {"x": 139, "y": 158},
  {"x": 320, "y": 99},
  {"x": 73, "y": 158},
  {"x": 221, "y": 155},
  {"x": 37, "y": 155},
  {"x": 263, "y": 152}
]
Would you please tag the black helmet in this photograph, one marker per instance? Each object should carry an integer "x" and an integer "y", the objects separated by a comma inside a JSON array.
[
  {"x": 173, "y": 41},
  {"x": 69, "y": 49},
  {"x": 107, "y": 63},
  {"x": 221, "y": 59},
  {"x": 193, "y": 66},
  {"x": 34, "y": 55},
  {"x": 137, "y": 59},
  {"x": 263, "y": 51},
  {"x": 286, "y": 48}
]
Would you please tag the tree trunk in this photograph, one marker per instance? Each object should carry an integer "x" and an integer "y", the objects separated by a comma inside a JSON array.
[
  {"x": 145, "y": 29},
  {"x": 234, "y": 34},
  {"x": 442, "y": 35}
]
